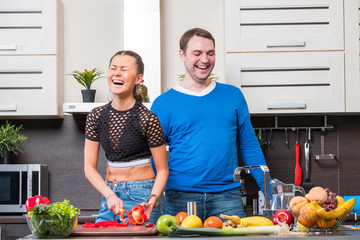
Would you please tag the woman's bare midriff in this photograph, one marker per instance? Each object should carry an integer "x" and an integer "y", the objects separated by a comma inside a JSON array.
[{"x": 140, "y": 173}]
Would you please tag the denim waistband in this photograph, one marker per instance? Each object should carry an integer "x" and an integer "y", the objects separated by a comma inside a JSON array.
[{"x": 134, "y": 184}]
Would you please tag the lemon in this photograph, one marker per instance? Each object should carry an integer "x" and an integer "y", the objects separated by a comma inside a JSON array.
[
  {"x": 191, "y": 221},
  {"x": 301, "y": 227}
]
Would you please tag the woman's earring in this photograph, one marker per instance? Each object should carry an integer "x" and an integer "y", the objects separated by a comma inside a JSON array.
[{"x": 109, "y": 96}]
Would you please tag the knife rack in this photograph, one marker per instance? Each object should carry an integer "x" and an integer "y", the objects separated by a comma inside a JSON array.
[{"x": 308, "y": 129}]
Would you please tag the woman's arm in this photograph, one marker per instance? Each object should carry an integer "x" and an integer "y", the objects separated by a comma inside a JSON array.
[
  {"x": 162, "y": 172},
  {"x": 91, "y": 151}
]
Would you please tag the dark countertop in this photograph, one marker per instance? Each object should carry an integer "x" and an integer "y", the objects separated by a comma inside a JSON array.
[{"x": 343, "y": 233}]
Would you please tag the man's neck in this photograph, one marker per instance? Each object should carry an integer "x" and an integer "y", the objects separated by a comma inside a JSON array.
[{"x": 194, "y": 85}]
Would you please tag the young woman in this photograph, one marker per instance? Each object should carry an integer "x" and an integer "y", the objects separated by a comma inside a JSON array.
[{"x": 130, "y": 135}]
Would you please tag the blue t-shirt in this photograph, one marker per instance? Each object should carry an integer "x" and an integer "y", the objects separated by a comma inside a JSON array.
[{"x": 203, "y": 133}]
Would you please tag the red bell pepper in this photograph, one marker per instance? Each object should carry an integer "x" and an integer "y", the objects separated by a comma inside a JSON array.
[
  {"x": 31, "y": 202},
  {"x": 105, "y": 224},
  {"x": 137, "y": 215}
]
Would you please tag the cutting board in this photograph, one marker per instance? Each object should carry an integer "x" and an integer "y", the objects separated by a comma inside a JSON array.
[{"x": 115, "y": 231}]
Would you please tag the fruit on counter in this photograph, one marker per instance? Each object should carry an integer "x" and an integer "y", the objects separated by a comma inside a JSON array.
[
  {"x": 340, "y": 199},
  {"x": 253, "y": 221},
  {"x": 31, "y": 202},
  {"x": 283, "y": 216},
  {"x": 324, "y": 224},
  {"x": 213, "y": 222},
  {"x": 296, "y": 203},
  {"x": 308, "y": 213},
  {"x": 165, "y": 223},
  {"x": 318, "y": 194},
  {"x": 180, "y": 217},
  {"x": 301, "y": 227},
  {"x": 192, "y": 221},
  {"x": 340, "y": 211},
  {"x": 331, "y": 202},
  {"x": 305, "y": 222}
]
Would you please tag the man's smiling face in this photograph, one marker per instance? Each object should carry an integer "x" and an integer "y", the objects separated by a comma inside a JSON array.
[{"x": 198, "y": 58}]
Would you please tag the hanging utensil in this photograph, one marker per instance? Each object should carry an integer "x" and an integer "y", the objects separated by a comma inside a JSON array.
[
  {"x": 286, "y": 138},
  {"x": 298, "y": 171},
  {"x": 307, "y": 184}
]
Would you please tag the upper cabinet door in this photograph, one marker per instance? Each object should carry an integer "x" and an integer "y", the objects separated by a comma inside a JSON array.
[
  {"x": 283, "y": 25},
  {"x": 289, "y": 82},
  {"x": 28, "y": 27}
]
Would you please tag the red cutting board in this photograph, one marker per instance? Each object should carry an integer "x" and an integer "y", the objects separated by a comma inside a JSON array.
[{"x": 115, "y": 231}]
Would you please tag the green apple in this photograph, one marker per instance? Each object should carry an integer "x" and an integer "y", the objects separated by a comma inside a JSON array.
[{"x": 165, "y": 223}]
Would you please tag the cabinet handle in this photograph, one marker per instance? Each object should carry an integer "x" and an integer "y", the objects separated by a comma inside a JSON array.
[
  {"x": 285, "y": 44},
  {"x": 8, "y": 47},
  {"x": 7, "y": 108},
  {"x": 285, "y": 106}
]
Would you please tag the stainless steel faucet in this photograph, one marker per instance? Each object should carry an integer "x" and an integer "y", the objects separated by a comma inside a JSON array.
[{"x": 246, "y": 169}]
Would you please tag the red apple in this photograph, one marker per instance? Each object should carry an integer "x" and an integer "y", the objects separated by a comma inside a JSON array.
[{"x": 283, "y": 216}]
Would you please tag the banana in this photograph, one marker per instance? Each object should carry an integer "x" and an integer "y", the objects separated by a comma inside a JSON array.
[
  {"x": 248, "y": 221},
  {"x": 233, "y": 219},
  {"x": 345, "y": 207}
]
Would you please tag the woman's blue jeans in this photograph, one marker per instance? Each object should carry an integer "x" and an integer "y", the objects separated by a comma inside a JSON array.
[
  {"x": 132, "y": 194},
  {"x": 208, "y": 204}
]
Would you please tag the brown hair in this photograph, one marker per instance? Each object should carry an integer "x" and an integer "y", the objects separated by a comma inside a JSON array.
[
  {"x": 185, "y": 38},
  {"x": 140, "y": 68}
]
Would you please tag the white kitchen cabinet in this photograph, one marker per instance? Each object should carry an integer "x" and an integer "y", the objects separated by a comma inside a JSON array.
[
  {"x": 352, "y": 55},
  {"x": 287, "y": 56},
  {"x": 30, "y": 59},
  {"x": 282, "y": 25},
  {"x": 291, "y": 82},
  {"x": 28, "y": 88}
]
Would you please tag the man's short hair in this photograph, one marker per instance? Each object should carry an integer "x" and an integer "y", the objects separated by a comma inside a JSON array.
[{"x": 185, "y": 38}]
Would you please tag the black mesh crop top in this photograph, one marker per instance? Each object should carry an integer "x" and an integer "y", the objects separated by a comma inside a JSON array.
[{"x": 124, "y": 135}]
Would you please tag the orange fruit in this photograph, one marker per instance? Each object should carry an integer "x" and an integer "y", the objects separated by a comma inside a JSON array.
[
  {"x": 180, "y": 217},
  {"x": 213, "y": 222}
]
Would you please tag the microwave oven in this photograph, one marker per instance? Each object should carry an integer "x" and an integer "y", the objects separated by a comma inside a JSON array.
[{"x": 18, "y": 183}]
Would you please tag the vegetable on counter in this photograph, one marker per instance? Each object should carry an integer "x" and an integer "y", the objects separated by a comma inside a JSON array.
[
  {"x": 275, "y": 229},
  {"x": 137, "y": 215},
  {"x": 54, "y": 220},
  {"x": 31, "y": 202}
]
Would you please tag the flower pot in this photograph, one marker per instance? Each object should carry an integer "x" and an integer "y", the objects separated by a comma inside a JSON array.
[
  {"x": 88, "y": 95},
  {"x": 7, "y": 157}
]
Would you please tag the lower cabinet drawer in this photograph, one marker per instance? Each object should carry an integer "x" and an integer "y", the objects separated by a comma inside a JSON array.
[
  {"x": 28, "y": 86},
  {"x": 292, "y": 82}
]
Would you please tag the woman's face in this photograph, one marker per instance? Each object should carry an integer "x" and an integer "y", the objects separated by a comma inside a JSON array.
[{"x": 122, "y": 75}]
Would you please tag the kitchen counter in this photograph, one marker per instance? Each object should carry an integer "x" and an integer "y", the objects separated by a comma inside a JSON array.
[{"x": 344, "y": 233}]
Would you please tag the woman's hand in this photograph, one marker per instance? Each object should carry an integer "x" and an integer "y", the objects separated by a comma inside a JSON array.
[
  {"x": 114, "y": 204},
  {"x": 148, "y": 209}
]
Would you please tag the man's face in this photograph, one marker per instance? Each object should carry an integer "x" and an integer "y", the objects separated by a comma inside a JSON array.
[{"x": 199, "y": 58}]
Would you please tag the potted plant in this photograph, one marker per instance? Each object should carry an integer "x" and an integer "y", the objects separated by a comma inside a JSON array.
[
  {"x": 86, "y": 79},
  {"x": 10, "y": 141}
]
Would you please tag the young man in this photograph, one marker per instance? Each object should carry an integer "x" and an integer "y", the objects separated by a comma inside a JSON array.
[{"x": 205, "y": 123}]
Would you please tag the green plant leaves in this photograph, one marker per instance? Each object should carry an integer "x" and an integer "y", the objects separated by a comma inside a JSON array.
[
  {"x": 86, "y": 78},
  {"x": 10, "y": 138}
]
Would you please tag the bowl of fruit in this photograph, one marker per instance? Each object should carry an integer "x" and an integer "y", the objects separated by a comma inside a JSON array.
[{"x": 320, "y": 210}]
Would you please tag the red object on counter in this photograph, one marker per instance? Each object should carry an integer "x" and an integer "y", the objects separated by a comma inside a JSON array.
[
  {"x": 283, "y": 216},
  {"x": 105, "y": 224},
  {"x": 137, "y": 215},
  {"x": 31, "y": 202},
  {"x": 298, "y": 171}
]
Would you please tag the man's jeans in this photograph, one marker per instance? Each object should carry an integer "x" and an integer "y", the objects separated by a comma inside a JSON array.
[{"x": 208, "y": 204}]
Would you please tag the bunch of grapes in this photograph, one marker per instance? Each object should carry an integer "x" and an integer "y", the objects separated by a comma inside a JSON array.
[{"x": 331, "y": 201}]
